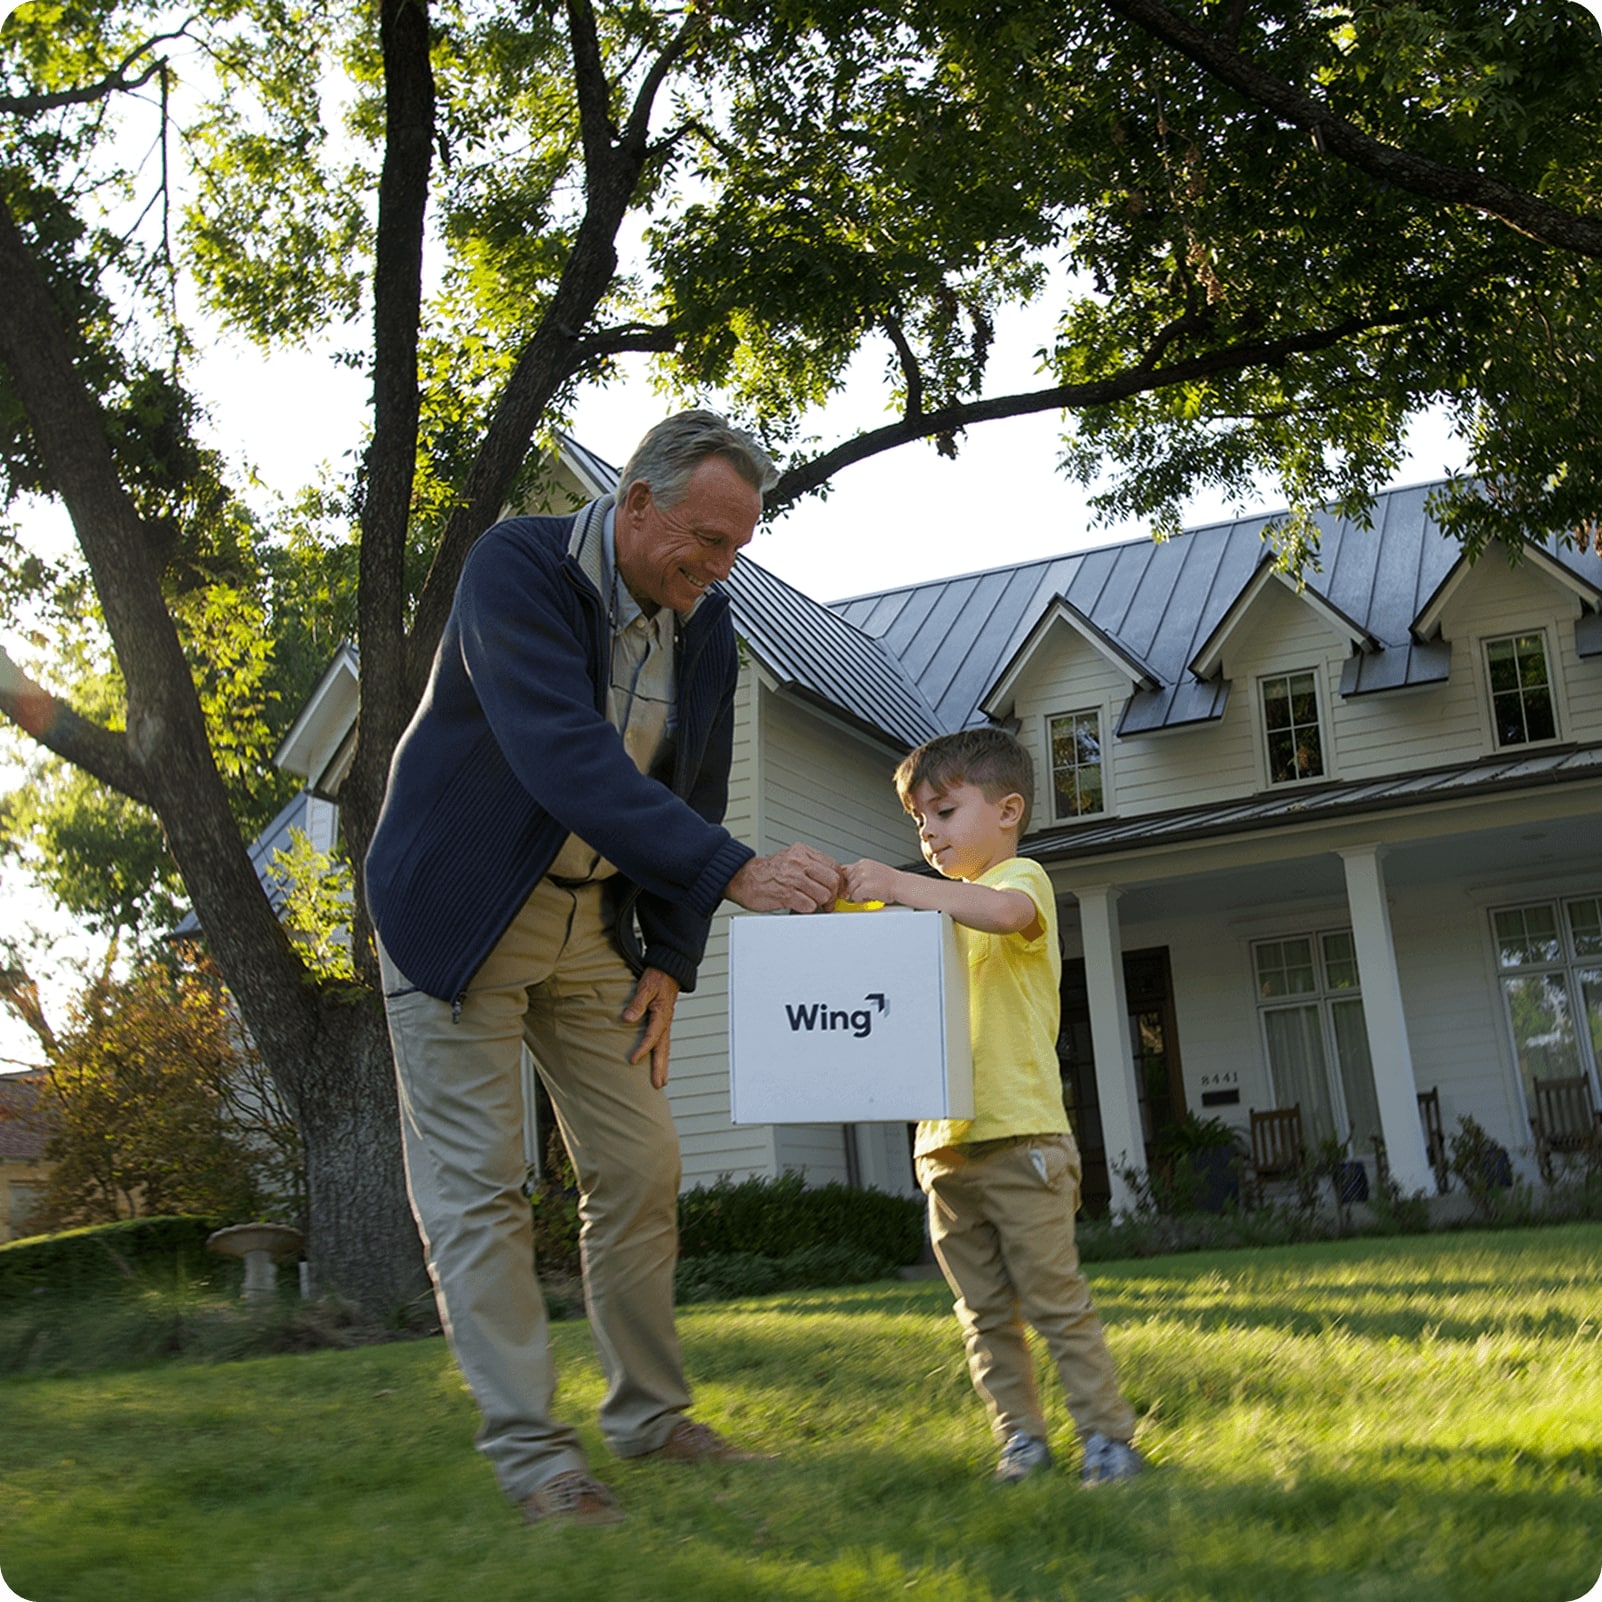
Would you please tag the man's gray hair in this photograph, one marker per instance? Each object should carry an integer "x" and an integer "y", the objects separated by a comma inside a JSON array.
[{"x": 672, "y": 451}]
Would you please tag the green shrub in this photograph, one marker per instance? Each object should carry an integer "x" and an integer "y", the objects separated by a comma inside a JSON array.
[
  {"x": 727, "y": 1275},
  {"x": 137, "y": 1250},
  {"x": 777, "y": 1217}
]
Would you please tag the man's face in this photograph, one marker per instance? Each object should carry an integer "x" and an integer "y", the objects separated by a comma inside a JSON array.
[{"x": 668, "y": 555}]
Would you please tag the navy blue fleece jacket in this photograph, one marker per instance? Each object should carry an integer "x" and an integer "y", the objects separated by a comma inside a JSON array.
[{"x": 510, "y": 751}]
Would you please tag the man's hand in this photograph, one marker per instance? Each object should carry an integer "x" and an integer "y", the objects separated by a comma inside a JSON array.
[
  {"x": 655, "y": 997},
  {"x": 796, "y": 879}
]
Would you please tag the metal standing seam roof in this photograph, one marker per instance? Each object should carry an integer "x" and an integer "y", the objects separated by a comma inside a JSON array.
[
  {"x": 1162, "y": 601},
  {"x": 820, "y": 656}
]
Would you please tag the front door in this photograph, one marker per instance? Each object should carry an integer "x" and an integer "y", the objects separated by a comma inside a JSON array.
[{"x": 1154, "y": 1044}]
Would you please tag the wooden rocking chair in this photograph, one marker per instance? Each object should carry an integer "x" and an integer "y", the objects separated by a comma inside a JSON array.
[
  {"x": 1565, "y": 1122},
  {"x": 1277, "y": 1151}
]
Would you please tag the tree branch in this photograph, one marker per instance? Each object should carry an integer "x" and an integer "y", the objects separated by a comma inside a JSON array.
[
  {"x": 593, "y": 92},
  {"x": 637, "y": 131},
  {"x": 1136, "y": 380},
  {"x": 909, "y": 368},
  {"x": 1434, "y": 180},
  {"x": 115, "y": 82},
  {"x": 559, "y": 346},
  {"x": 19, "y": 995},
  {"x": 625, "y": 337},
  {"x": 102, "y": 753}
]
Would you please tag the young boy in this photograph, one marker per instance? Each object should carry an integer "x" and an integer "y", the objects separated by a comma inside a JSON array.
[{"x": 1003, "y": 1186}]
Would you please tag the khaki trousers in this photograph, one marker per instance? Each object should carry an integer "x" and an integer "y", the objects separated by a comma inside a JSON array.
[
  {"x": 1002, "y": 1227},
  {"x": 556, "y": 980}
]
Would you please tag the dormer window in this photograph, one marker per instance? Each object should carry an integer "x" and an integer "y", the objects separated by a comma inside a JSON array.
[
  {"x": 1522, "y": 709},
  {"x": 1295, "y": 742},
  {"x": 1077, "y": 776}
]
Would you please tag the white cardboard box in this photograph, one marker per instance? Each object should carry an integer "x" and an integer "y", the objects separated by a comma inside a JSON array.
[{"x": 858, "y": 1017}]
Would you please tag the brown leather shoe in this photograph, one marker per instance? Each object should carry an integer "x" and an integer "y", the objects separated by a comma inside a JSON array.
[
  {"x": 575, "y": 1497},
  {"x": 693, "y": 1442}
]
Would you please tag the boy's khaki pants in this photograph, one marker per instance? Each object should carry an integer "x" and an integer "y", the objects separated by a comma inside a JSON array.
[
  {"x": 555, "y": 978},
  {"x": 1002, "y": 1227}
]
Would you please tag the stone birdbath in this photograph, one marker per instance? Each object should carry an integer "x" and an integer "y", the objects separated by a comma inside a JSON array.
[{"x": 263, "y": 1247}]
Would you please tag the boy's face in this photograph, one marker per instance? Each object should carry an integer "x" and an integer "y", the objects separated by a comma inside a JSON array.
[{"x": 961, "y": 831}]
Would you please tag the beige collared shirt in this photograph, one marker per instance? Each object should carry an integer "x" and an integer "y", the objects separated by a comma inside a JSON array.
[{"x": 640, "y": 693}]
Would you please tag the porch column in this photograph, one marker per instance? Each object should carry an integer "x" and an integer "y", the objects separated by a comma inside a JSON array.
[
  {"x": 1394, "y": 1085},
  {"x": 1109, "y": 1038}
]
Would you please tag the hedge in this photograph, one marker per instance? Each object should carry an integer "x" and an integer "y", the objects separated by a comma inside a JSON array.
[
  {"x": 780, "y": 1217},
  {"x": 165, "y": 1249}
]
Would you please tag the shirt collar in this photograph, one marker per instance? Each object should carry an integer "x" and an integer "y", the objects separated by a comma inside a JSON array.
[{"x": 598, "y": 558}]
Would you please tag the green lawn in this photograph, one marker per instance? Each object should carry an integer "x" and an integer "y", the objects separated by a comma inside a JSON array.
[{"x": 1410, "y": 1419}]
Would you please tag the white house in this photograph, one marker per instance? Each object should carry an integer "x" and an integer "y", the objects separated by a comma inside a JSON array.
[{"x": 1333, "y": 846}]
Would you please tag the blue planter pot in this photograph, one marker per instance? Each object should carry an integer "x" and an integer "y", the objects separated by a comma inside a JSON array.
[
  {"x": 1216, "y": 1176},
  {"x": 1351, "y": 1182}
]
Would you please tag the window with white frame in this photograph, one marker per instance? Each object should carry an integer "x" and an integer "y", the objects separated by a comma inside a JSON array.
[
  {"x": 1522, "y": 707},
  {"x": 1549, "y": 954},
  {"x": 1310, "y": 1007},
  {"x": 1293, "y": 738},
  {"x": 1078, "y": 773}
]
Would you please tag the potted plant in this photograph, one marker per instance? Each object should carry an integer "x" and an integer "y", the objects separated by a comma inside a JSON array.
[{"x": 1202, "y": 1157}]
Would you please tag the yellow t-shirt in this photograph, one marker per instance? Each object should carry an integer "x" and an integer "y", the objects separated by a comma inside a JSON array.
[{"x": 1014, "y": 1008}]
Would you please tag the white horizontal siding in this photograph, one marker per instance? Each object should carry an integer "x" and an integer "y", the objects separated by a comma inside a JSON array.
[{"x": 829, "y": 787}]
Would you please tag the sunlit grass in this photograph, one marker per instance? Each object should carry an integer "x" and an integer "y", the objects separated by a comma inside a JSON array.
[{"x": 1411, "y": 1419}]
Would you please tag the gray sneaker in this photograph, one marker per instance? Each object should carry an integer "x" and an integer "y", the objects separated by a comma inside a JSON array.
[
  {"x": 1021, "y": 1457},
  {"x": 1107, "y": 1460}
]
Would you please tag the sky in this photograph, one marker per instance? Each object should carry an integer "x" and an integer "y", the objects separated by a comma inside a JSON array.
[{"x": 906, "y": 515}]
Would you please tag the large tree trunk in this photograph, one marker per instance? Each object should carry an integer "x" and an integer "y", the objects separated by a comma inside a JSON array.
[
  {"x": 363, "y": 1243},
  {"x": 330, "y": 1061}
]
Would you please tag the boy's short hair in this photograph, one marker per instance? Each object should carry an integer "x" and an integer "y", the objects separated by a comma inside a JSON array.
[{"x": 991, "y": 760}]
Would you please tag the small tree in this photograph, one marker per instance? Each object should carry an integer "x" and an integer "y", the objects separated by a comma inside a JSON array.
[{"x": 158, "y": 1104}]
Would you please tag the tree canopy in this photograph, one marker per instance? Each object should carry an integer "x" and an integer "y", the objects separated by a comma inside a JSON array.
[{"x": 1285, "y": 232}]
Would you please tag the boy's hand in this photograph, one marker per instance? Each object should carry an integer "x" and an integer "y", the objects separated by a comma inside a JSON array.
[{"x": 868, "y": 880}]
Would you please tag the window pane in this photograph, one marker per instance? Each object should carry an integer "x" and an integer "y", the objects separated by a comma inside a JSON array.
[
  {"x": 1290, "y": 727},
  {"x": 1276, "y": 704},
  {"x": 1591, "y": 999},
  {"x": 1285, "y": 968},
  {"x": 1076, "y": 763},
  {"x": 1521, "y": 698},
  {"x": 1503, "y": 665},
  {"x": 1539, "y": 721},
  {"x": 1340, "y": 960},
  {"x": 1090, "y": 797},
  {"x": 1281, "y": 757},
  {"x": 1532, "y": 660},
  {"x": 1297, "y": 1064},
  {"x": 1527, "y": 935},
  {"x": 1585, "y": 926},
  {"x": 1543, "y": 1031},
  {"x": 1357, "y": 1074}
]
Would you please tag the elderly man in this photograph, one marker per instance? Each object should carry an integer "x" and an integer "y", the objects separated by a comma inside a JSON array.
[{"x": 555, "y": 804}]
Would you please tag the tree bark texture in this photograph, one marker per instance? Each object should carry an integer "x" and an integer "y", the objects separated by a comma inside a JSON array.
[{"x": 332, "y": 1071}]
